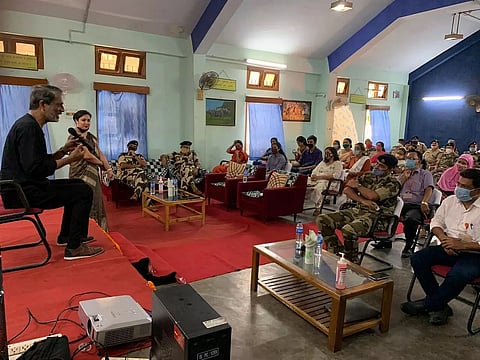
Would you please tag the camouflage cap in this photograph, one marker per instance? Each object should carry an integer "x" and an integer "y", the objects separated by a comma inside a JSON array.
[{"x": 389, "y": 160}]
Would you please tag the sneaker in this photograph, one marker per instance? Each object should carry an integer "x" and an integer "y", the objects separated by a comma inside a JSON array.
[
  {"x": 62, "y": 241},
  {"x": 83, "y": 251},
  {"x": 440, "y": 317},
  {"x": 414, "y": 308},
  {"x": 382, "y": 245}
]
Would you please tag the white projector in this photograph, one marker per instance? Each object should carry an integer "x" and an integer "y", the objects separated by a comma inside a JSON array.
[{"x": 114, "y": 320}]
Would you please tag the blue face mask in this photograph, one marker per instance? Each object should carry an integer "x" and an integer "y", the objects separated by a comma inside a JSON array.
[
  {"x": 378, "y": 172},
  {"x": 411, "y": 164},
  {"x": 463, "y": 194}
]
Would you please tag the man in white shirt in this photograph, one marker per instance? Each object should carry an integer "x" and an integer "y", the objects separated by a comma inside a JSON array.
[{"x": 457, "y": 225}]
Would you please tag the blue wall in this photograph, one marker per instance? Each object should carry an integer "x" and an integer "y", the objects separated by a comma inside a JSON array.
[{"x": 455, "y": 72}]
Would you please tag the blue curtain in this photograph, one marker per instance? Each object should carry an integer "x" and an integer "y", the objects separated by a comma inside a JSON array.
[
  {"x": 380, "y": 121},
  {"x": 121, "y": 118},
  {"x": 14, "y": 103},
  {"x": 265, "y": 122}
]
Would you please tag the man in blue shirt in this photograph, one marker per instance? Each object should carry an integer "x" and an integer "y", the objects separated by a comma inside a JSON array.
[{"x": 310, "y": 157}]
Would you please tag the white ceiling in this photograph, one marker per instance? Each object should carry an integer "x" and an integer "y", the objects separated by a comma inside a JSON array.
[{"x": 305, "y": 28}]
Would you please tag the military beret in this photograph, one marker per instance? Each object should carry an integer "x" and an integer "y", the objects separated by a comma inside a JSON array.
[
  {"x": 134, "y": 142},
  {"x": 388, "y": 159},
  {"x": 186, "y": 143}
]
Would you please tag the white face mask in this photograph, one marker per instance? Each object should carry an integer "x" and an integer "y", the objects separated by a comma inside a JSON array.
[{"x": 448, "y": 151}]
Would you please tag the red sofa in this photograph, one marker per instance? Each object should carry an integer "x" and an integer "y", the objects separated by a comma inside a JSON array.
[
  {"x": 227, "y": 193},
  {"x": 273, "y": 202}
]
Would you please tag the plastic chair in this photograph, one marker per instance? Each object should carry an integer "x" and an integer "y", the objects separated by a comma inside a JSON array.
[
  {"x": 23, "y": 213},
  {"x": 434, "y": 202},
  {"x": 383, "y": 234},
  {"x": 442, "y": 271}
]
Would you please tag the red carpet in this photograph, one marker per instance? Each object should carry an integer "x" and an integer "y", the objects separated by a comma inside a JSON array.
[
  {"x": 49, "y": 289},
  {"x": 196, "y": 252}
]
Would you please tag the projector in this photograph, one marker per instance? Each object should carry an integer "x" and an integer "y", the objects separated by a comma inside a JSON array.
[{"x": 114, "y": 320}]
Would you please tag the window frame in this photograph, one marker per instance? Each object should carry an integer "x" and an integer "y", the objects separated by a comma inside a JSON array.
[
  {"x": 346, "y": 88},
  {"x": 263, "y": 73},
  {"x": 375, "y": 90},
  {"x": 10, "y": 41},
  {"x": 120, "y": 64}
]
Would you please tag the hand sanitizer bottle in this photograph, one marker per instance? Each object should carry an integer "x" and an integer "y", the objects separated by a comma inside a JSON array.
[{"x": 341, "y": 273}]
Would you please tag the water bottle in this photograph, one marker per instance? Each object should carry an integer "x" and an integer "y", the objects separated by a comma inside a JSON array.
[
  {"x": 152, "y": 186},
  {"x": 245, "y": 175},
  {"x": 160, "y": 185},
  {"x": 299, "y": 238},
  {"x": 317, "y": 255},
  {"x": 175, "y": 187}
]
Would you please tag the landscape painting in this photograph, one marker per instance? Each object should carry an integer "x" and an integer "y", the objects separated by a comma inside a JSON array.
[{"x": 220, "y": 112}]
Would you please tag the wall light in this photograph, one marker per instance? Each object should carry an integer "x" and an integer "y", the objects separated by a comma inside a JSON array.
[
  {"x": 341, "y": 5},
  {"x": 442, "y": 98},
  {"x": 266, "y": 63}
]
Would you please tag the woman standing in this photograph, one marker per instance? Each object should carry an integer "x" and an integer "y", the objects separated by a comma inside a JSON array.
[
  {"x": 330, "y": 168},
  {"x": 87, "y": 168}
]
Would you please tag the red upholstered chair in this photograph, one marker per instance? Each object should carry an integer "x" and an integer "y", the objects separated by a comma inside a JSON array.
[
  {"x": 442, "y": 271},
  {"x": 223, "y": 189},
  {"x": 22, "y": 213},
  {"x": 272, "y": 202}
]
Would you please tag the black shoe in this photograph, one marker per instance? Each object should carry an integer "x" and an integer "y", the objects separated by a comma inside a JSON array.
[
  {"x": 62, "y": 241},
  {"x": 440, "y": 317},
  {"x": 382, "y": 245},
  {"x": 414, "y": 308},
  {"x": 407, "y": 252}
]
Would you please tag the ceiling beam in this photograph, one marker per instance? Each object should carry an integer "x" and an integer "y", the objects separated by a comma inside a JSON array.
[
  {"x": 394, "y": 11},
  {"x": 211, "y": 24}
]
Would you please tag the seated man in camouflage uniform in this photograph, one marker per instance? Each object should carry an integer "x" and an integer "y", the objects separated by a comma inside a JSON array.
[
  {"x": 131, "y": 170},
  {"x": 186, "y": 167},
  {"x": 374, "y": 192}
]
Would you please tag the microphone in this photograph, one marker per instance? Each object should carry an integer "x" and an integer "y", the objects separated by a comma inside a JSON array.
[{"x": 72, "y": 132}]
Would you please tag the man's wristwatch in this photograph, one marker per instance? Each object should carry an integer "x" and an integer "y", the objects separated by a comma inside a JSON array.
[{"x": 424, "y": 203}]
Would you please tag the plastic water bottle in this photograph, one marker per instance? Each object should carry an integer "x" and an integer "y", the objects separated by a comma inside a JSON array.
[
  {"x": 160, "y": 185},
  {"x": 299, "y": 238},
  {"x": 317, "y": 255},
  {"x": 245, "y": 175},
  {"x": 175, "y": 187},
  {"x": 341, "y": 273},
  {"x": 152, "y": 187}
]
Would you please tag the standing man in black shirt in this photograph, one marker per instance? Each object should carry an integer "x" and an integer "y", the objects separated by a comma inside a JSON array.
[{"x": 25, "y": 160}]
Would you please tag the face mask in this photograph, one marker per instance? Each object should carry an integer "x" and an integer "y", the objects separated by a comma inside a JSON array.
[
  {"x": 378, "y": 148},
  {"x": 472, "y": 149},
  {"x": 336, "y": 146},
  {"x": 346, "y": 146},
  {"x": 369, "y": 146},
  {"x": 463, "y": 194},
  {"x": 410, "y": 163},
  {"x": 238, "y": 147},
  {"x": 357, "y": 151},
  {"x": 448, "y": 151},
  {"x": 378, "y": 172},
  {"x": 310, "y": 146}
]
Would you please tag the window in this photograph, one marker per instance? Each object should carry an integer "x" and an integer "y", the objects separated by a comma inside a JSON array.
[
  {"x": 377, "y": 90},
  {"x": 119, "y": 62},
  {"x": 343, "y": 86},
  {"x": 262, "y": 79},
  {"x": 22, "y": 45},
  {"x": 121, "y": 117}
]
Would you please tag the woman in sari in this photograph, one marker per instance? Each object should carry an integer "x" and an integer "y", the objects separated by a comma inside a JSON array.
[
  {"x": 330, "y": 168},
  {"x": 449, "y": 179},
  {"x": 359, "y": 164},
  {"x": 87, "y": 169},
  {"x": 239, "y": 156}
]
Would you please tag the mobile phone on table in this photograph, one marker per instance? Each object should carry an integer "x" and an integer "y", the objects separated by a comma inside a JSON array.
[{"x": 378, "y": 276}]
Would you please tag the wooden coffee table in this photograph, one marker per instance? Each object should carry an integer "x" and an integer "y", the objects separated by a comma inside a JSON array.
[
  {"x": 152, "y": 205},
  {"x": 311, "y": 293}
]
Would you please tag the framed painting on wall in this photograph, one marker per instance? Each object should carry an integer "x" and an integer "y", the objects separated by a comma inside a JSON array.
[
  {"x": 296, "y": 110},
  {"x": 220, "y": 112}
]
